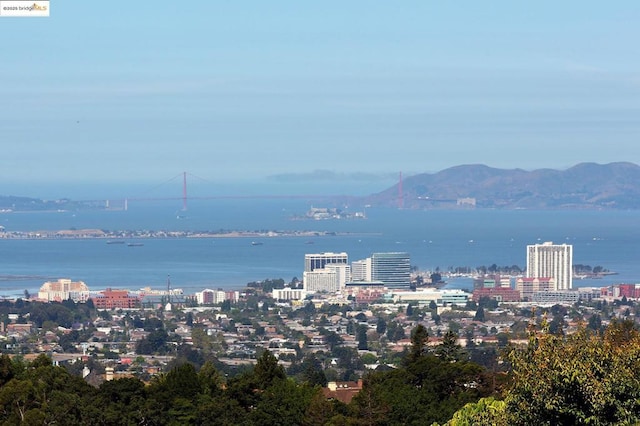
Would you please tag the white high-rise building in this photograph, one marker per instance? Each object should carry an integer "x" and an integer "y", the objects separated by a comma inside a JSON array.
[
  {"x": 320, "y": 281},
  {"x": 343, "y": 274},
  {"x": 361, "y": 270},
  {"x": 550, "y": 260},
  {"x": 320, "y": 260}
]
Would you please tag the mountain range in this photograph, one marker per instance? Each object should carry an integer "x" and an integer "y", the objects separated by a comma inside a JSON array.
[{"x": 585, "y": 185}]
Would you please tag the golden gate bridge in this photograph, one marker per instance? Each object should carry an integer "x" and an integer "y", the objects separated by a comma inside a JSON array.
[{"x": 185, "y": 197}]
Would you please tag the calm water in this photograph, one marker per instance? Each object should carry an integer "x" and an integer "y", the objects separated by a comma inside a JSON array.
[{"x": 435, "y": 238}]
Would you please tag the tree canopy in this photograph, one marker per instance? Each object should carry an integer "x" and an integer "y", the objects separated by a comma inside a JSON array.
[{"x": 587, "y": 377}]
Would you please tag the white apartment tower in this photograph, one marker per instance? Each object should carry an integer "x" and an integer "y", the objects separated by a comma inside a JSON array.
[{"x": 548, "y": 260}]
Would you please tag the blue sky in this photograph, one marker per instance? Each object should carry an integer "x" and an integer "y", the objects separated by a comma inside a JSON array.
[{"x": 107, "y": 93}]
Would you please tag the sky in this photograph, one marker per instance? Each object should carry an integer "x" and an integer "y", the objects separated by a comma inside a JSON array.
[{"x": 104, "y": 94}]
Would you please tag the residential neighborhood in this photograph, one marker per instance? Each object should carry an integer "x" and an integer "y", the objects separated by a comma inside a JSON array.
[{"x": 342, "y": 338}]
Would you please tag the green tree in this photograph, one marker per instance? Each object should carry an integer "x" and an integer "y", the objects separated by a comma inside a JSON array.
[
  {"x": 247, "y": 387},
  {"x": 8, "y": 369},
  {"x": 211, "y": 381},
  {"x": 219, "y": 410},
  {"x": 487, "y": 411},
  {"x": 312, "y": 371},
  {"x": 449, "y": 350},
  {"x": 267, "y": 370},
  {"x": 118, "y": 401},
  {"x": 331, "y": 337},
  {"x": 42, "y": 394},
  {"x": 154, "y": 343},
  {"x": 183, "y": 381},
  {"x": 419, "y": 339},
  {"x": 323, "y": 412},
  {"x": 362, "y": 337},
  {"x": 427, "y": 390},
  {"x": 395, "y": 331},
  {"x": 381, "y": 326},
  {"x": 582, "y": 378},
  {"x": 595, "y": 323},
  {"x": 283, "y": 403}
]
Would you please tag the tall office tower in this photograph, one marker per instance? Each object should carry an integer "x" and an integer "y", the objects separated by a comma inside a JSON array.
[
  {"x": 320, "y": 260},
  {"x": 550, "y": 260},
  {"x": 361, "y": 270},
  {"x": 392, "y": 269}
]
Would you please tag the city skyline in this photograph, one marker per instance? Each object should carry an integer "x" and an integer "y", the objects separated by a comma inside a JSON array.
[{"x": 101, "y": 95}]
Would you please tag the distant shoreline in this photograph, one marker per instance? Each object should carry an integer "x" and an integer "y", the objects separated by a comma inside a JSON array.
[{"x": 98, "y": 234}]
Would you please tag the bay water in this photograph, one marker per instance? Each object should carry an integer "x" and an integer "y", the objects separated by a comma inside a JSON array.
[{"x": 434, "y": 238}]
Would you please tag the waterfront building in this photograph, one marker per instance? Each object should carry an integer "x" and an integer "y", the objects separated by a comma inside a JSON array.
[
  {"x": 551, "y": 260},
  {"x": 393, "y": 269},
  {"x": 64, "y": 289},
  {"x": 320, "y": 260}
]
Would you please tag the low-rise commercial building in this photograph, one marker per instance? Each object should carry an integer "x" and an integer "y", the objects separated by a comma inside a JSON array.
[{"x": 115, "y": 299}]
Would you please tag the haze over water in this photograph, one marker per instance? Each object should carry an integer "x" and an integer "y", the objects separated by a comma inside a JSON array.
[{"x": 434, "y": 238}]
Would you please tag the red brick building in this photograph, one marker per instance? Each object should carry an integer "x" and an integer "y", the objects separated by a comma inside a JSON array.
[
  {"x": 115, "y": 299},
  {"x": 501, "y": 294},
  {"x": 618, "y": 291}
]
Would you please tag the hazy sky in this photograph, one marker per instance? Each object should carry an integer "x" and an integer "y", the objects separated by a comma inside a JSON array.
[{"x": 139, "y": 91}]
